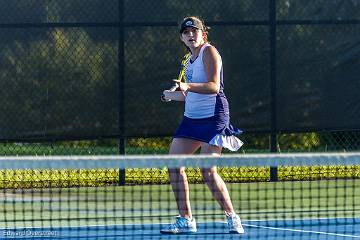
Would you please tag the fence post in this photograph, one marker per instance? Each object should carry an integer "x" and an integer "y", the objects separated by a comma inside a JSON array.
[
  {"x": 273, "y": 87},
  {"x": 121, "y": 64}
]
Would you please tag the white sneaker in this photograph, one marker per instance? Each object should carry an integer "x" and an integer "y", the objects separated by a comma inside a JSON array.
[
  {"x": 181, "y": 226},
  {"x": 234, "y": 223}
]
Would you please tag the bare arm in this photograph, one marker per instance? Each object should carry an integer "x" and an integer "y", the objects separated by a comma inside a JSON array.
[{"x": 212, "y": 64}]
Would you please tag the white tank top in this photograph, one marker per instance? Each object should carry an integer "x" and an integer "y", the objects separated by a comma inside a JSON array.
[{"x": 198, "y": 105}]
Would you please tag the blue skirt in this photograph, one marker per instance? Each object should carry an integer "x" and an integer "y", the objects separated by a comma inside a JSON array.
[{"x": 213, "y": 130}]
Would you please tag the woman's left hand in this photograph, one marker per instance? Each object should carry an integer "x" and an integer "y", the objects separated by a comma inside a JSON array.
[{"x": 183, "y": 86}]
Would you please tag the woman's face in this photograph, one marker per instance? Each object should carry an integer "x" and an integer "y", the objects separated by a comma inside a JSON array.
[{"x": 192, "y": 37}]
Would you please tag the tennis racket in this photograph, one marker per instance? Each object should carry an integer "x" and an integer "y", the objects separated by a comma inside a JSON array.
[{"x": 181, "y": 78}]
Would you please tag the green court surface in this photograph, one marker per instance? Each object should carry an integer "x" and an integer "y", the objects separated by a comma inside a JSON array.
[{"x": 120, "y": 205}]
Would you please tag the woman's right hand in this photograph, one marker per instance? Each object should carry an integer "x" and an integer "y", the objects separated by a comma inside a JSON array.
[{"x": 169, "y": 95}]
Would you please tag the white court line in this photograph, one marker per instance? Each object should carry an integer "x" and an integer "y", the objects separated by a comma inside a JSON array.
[
  {"x": 298, "y": 219},
  {"x": 161, "y": 223},
  {"x": 108, "y": 225},
  {"x": 303, "y": 231}
]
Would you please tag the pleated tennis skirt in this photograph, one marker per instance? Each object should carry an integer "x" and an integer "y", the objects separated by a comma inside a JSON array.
[{"x": 217, "y": 131}]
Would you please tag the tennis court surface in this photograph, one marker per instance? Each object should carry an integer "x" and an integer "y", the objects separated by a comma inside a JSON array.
[{"x": 278, "y": 196}]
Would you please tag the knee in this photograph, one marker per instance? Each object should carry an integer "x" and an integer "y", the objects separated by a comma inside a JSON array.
[
  {"x": 177, "y": 173},
  {"x": 209, "y": 175}
]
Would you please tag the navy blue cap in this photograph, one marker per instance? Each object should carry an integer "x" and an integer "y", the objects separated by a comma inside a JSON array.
[{"x": 191, "y": 22}]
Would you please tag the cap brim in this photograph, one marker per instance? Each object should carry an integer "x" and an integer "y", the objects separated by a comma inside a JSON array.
[{"x": 189, "y": 26}]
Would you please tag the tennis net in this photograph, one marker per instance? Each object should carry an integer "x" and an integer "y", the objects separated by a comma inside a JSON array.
[{"x": 278, "y": 196}]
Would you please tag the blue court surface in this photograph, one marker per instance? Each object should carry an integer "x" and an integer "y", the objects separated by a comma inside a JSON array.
[{"x": 337, "y": 228}]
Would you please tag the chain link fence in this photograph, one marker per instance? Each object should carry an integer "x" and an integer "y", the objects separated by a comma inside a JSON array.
[{"x": 342, "y": 141}]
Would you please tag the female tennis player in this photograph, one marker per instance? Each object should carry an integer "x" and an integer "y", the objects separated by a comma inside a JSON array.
[{"x": 205, "y": 125}]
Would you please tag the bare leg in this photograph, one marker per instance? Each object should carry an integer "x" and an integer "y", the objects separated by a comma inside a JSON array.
[
  {"x": 214, "y": 181},
  {"x": 178, "y": 178}
]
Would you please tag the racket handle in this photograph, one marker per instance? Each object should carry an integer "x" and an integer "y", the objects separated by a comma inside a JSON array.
[
  {"x": 173, "y": 88},
  {"x": 163, "y": 99}
]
